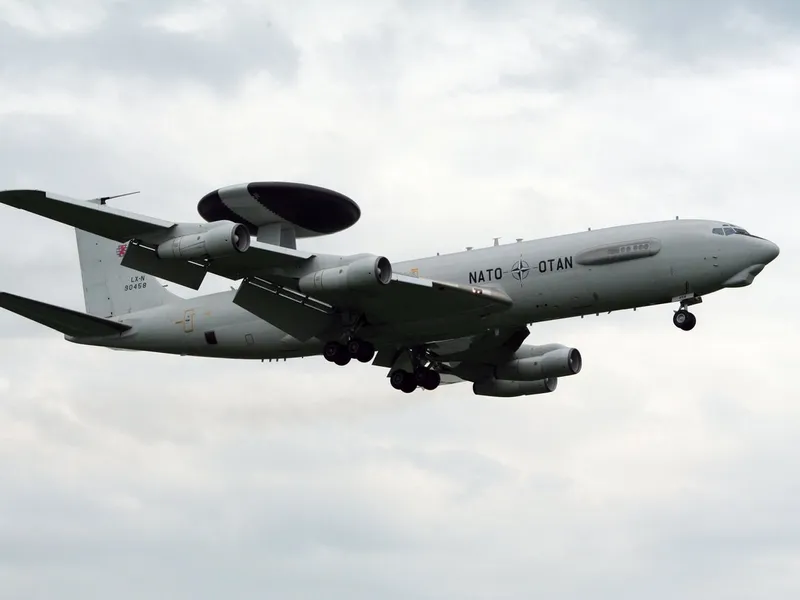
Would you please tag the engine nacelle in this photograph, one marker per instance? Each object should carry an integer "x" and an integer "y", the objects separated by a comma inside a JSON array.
[
  {"x": 361, "y": 274},
  {"x": 222, "y": 240},
  {"x": 560, "y": 362},
  {"x": 511, "y": 389}
]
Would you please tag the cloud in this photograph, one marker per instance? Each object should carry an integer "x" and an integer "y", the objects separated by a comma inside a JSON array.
[
  {"x": 663, "y": 469},
  {"x": 168, "y": 43}
]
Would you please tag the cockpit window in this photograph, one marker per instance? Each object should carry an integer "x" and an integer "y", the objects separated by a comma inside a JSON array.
[{"x": 728, "y": 229}]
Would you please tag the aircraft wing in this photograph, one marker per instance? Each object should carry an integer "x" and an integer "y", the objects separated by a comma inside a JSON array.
[
  {"x": 471, "y": 357},
  {"x": 409, "y": 299},
  {"x": 474, "y": 357},
  {"x": 490, "y": 347},
  {"x": 404, "y": 300},
  {"x": 100, "y": 219},
  {"x": 123, "y": 226}
]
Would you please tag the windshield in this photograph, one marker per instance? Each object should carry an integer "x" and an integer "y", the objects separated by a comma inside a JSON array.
[{"x": 728, "y": 229}]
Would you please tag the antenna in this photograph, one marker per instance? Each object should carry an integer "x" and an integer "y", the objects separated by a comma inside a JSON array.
[
  {"x": 496, "y": 241},
  {"x": 105, "y": 199},
  {"x": 519, "y": 240},
  {"x": 469, "y": 247}
]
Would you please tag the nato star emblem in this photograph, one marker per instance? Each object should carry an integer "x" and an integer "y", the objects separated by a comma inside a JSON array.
[{"x": 520, "y": 270}]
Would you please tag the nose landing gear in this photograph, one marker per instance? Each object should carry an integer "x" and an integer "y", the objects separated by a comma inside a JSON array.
[{"x": 683, "y": 319}]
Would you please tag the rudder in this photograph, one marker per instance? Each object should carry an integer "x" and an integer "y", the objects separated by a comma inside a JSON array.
[{"x": 109, "y": 289}]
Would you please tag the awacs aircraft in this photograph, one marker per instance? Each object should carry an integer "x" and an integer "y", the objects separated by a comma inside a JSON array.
[{"x": 440, "y": 319}]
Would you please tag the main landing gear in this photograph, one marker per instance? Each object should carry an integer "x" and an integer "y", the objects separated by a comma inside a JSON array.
[
  {"x": 423, "y": 377},
  {"x": 341, "y": 354},
  {"x": 422, "y": 374},
  {"x": 683, "y": 319}
]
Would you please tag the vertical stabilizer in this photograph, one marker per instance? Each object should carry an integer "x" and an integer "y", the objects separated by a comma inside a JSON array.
[{"x": 109, "y": 289}]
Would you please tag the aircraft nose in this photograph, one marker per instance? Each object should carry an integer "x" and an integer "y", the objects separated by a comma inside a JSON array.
[{"x": 771, "y": 251}]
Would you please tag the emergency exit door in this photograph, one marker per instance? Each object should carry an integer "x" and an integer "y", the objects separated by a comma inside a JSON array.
[{"x": 188, "y": 321}]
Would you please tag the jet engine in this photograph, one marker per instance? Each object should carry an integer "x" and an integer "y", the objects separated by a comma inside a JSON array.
[
  {"x": 510, "y": 389},
  {"x": 558, "y": 362},
  {"x": 361, "y": 274},
  {"x": 220, "y": 241}
]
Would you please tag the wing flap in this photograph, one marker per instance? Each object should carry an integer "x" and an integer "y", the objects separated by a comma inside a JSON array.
[
  {"x": 413, "y": 299},
  {"x": 298, "y": 315},
  {"x": 100, "y": 219},
  {"x": 69, "y": 322}
]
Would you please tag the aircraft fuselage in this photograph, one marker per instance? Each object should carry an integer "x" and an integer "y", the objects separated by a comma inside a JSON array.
[{"x": 559, "y": 277}]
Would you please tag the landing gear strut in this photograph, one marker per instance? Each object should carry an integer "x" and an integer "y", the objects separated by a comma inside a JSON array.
[{"x": 683, "y": 319}]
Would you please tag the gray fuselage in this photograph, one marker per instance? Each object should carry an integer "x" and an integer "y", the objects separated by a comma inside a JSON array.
[{"x": 551, "y": 278}]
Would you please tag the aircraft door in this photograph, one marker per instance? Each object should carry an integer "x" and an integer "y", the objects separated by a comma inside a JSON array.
[{"x": 188, "y": 321}]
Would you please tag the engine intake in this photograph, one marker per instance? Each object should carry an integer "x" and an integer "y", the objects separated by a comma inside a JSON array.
[
  {"x": 363, "y": 273},
  {"x": 511, "y": 389},
  {"x": 220, "y": 241},
  {"x": 560, "y": 362}
]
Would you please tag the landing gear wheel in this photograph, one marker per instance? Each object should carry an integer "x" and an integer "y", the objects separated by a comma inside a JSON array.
[
  {"x": 431, "y": 379},
  {"x": 403, "y": 381},
  {"x": 684, "y": 320},
  {"x": 336, "y": 353},
  {"x": 397, "y": 379},
  {"x": 361, "y": 350},
  {"x": 409, "y": 385},
  {"x": 331, "y": 351}
]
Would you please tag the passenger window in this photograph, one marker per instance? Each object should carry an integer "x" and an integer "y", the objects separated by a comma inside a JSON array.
[{"x": 717, "y": 231}]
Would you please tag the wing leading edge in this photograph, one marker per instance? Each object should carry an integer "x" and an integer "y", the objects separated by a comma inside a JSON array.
[{"x": 100, "y": 219}]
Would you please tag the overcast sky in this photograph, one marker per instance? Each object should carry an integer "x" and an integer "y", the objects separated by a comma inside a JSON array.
[{"x": 669, "y": 468}]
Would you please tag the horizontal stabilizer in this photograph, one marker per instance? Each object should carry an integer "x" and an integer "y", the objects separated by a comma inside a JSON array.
[
  {"x": 298, "y": 315},
  {"x": 69, "y": 322},
  {"x": 100, "y": 219}
]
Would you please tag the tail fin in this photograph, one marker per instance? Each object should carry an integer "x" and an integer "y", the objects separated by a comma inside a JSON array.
[{"x": 109, "y": 289}]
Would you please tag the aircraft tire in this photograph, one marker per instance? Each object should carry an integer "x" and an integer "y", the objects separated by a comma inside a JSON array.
[
  {"x": 431, "y": 380},
  {"x": 361, "y": 350},
  {"x": 397, "y": 379},
  {"x": 680, "y": 318},
  {"x": 409, "y": 385},
  {"x": 331, "y": 351},
  {"x": 690, "y": 322}
]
